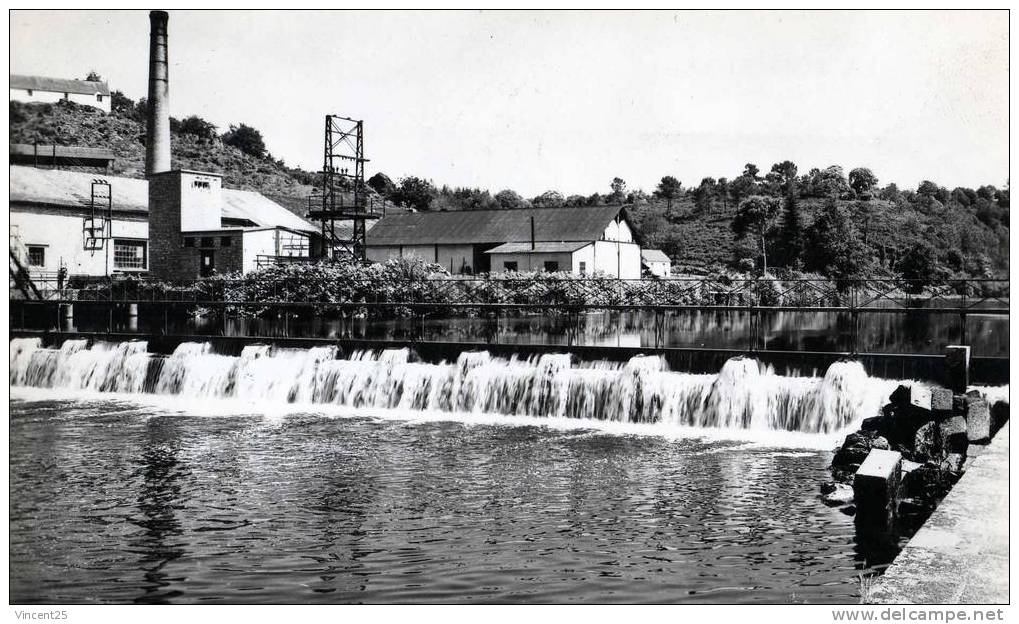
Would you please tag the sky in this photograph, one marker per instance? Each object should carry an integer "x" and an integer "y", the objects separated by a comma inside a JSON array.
[{"x": 569, "y": 100}]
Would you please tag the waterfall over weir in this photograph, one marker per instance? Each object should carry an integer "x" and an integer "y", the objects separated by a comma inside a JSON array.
[{"x": 744, "y": 395}]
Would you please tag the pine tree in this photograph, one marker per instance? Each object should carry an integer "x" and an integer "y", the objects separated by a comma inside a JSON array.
[{"x": 792, "y": 232}]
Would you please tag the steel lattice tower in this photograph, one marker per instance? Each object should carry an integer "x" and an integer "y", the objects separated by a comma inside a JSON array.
[{"x": 344, "y": 194}]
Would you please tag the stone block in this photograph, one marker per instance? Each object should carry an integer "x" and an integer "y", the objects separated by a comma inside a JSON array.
[
  {"x": 953, "y": 462},
  {"x": 901, "y": 422},
  {"x": 928, "y": 442},
  {"x": 999, "y": 416},
  {"x": 874, "y": 423},
  {"x": 914, "y": 397},
  {"x": 852, "y": 453},
  {"x": 909, "y": 466},
  {"x": 840, "y": 495},
  {"x": 978, "y": 419},
  {"x": 941, "y": 401},
  {"x": 900, "y": 396},
  {"x": 876, "y": 485},
  {"x": 954, "y": 436},
  {"x": 957, "y": 368}
]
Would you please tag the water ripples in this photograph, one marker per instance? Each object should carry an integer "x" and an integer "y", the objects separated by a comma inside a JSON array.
[{"x": 114, "y": 503}]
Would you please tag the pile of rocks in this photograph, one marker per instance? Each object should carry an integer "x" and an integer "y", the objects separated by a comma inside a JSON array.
[{"x": 902, "y": 462}]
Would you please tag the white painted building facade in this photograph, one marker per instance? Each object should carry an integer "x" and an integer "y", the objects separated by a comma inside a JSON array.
[
  {"x": 578, "y": 239},
  {"x": 52, "y": 90},
  {"x": 656, "y": 262},
  {"x": 49, "y": 207}
]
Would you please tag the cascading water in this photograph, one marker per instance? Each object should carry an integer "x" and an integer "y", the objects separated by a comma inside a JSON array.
[{"x": 743, "y": 395}]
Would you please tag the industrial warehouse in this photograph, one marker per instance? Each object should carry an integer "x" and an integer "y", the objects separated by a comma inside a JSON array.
[{"x": 582, "y": 240}]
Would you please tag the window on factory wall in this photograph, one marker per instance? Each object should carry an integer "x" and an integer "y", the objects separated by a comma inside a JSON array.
[
  {"x": 29, "y": 92},
  {"x": 200, "y": 184},
  {"x": 99, "y": 97},
  {"x": 551, "y": 266},
  {"x": 292, "y": 245},
  {"x": 509, "y": 266},
  {"x": 36, "y": 256},
  {"x": 225, "y": 241},
  {"x": 207, "y": 241},
  {"x": 129, "y": 254},
  {"x": 583, "y": 268}
]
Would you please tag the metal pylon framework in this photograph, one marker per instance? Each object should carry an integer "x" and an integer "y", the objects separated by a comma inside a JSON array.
[
  {"x": 97, "y": 228},
  {"x": 344, "y": 194}
]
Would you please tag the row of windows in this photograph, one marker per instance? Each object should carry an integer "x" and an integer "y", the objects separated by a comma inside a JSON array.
[
  {"x": 67, "y": 96},
  {"x": 207, "y": 241},
  {"x": 127, "y": 254},
  {"x": 550, "y": 266}
]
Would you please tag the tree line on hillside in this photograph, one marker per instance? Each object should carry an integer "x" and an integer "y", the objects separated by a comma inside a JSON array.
[
  {"x": 782, "y": 181},
  {"x": 824, "y": 221},
  {"x": 766, "y": 217}
]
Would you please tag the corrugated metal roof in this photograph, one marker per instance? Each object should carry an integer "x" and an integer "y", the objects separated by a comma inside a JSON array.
[
  {"x": 575, "y": 223},
  {"x": 654, "y": 255},
  {"x": 260, "y": 209},
  {"x": 538, "y": 247},
  {"x": 72, "y": 188},
  {"x": 59, "y": 85},
  {"x": 61, "y": 151}
]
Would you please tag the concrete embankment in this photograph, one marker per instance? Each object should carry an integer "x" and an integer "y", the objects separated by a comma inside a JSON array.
[{"x": 960, "y": 555}]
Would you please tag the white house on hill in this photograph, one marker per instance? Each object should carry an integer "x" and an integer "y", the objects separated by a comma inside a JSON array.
[{"x": 52, "y": 90}]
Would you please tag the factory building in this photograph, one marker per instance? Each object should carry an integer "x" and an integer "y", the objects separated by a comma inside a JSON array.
[
  {"x": 176, "y": 225},
  {"x": 42, "y": 89},
  {"x": 583, "y": 240},
  {"x": 189, "y": 226}
]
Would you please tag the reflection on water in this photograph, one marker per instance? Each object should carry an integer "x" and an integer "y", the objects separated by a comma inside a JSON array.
[
  {"x": 808, "y": 331},
  {"x": 723, "y": 329},
  {"x": 158, "y": 500},
  {"x": 115, "y": 502}
]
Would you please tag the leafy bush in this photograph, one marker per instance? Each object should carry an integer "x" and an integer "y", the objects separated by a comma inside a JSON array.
[
  {"x": 245, "y": 138},
  {"x": 198, "y": 127}
]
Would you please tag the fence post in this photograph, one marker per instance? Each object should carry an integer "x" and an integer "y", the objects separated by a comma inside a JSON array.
[{"x": 752, "y": 339}]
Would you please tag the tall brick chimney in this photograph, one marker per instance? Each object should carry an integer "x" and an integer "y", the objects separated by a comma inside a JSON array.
[{"x": 157, "y": 126}]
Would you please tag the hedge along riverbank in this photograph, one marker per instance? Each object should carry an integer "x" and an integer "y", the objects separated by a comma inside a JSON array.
[{"x": 412, "y": 281}]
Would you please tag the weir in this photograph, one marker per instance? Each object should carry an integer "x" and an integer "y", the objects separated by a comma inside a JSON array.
[
  {"x": 984, "y": 370},
  {"x": 743, "y": 394}
]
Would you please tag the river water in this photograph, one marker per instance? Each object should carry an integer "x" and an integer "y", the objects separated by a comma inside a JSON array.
[
  {"x": 915, "y": 332},
  {"x": 293, "y": 476}
]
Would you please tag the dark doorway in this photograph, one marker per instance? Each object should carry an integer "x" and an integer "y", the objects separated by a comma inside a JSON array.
[{"x": 206, "y": 263}]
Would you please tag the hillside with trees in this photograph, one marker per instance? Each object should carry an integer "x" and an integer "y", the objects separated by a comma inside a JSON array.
[{"x": 825, "y": 221}]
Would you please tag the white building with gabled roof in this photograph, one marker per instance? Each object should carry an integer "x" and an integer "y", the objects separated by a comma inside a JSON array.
[
  {"x": 93, "y": 93},
  {"x": 234, "y": 230},
  {"x": 656, "y": 262}
]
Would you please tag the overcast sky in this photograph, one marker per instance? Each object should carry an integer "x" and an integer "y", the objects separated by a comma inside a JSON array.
[{"x": 566, "y": 101}]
